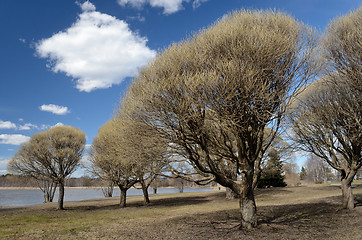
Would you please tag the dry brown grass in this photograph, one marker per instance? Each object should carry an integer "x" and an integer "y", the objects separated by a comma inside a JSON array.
[{"x": 283, "y": 213}]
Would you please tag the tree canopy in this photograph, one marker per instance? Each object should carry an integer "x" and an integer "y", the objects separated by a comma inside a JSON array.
[
  {"x": 327, "y": 120},
  {"x": 212, "y": 96},
  {"x": 53, "y": 154}
]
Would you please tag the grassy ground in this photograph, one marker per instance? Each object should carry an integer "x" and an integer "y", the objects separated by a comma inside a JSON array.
[{"x": 307, "y": 212}]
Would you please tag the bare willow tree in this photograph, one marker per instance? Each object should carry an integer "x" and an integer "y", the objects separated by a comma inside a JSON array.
[
  {"x": 126, "y": 151},
  {"x": 213, "y": 96},
  {"x": 328, "y": 120},
  {"x": 146, "y": 150},
  {"x": 328, "y": 124},
  {"x": 46, "y": 185},
  {"x": 108, "y": 160},
  {"x": 52, "y": 155}
]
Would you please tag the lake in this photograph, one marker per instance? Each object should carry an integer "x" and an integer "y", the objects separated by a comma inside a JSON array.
[{"x": 25, "y": 197}]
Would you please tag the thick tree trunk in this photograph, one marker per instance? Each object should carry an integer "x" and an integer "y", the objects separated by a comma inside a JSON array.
[
  {"x": 61, "y": 195},
  {"x": 122, "y": 202},
  {"x": 247, "y": 203},
  {"x": 347, "y": 196}
]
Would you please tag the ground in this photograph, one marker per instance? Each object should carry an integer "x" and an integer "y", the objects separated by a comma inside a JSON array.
[{"x": 307, "y": 212}]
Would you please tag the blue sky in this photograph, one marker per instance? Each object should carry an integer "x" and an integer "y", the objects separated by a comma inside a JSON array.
[{"x": 69, "y": 62}]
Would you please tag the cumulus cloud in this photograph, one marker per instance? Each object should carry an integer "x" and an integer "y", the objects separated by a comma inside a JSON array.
[
  {"x": 27, "y": 126},
  {"x": 55, "y": 109},
  {"x": 30, "y": 126},
  {"x": 98, "y": 50},
  {"x": 7, "y": 125},
  {"x": 169, "y": 6},
  {"x": 13, "y": 139},
  {"x": 58, "y": 124},
  {"x": 87, "y": 6}
]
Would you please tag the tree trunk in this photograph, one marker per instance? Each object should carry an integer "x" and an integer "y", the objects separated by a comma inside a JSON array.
[
  {"x": 230, "y": 194},
  {"x": 154, "y": 190},
  {"x": 247, "y": 203},
  {"x": 347, "y": 196},
  {"x": 123, "y": 196},
  {"x": 146, "y": 199},
  {"x": 108, "y": 190},
  {"x": 61, "y": 195},
  {"x": 51, "y": 191},
  {"x": 181, "y": 187}
]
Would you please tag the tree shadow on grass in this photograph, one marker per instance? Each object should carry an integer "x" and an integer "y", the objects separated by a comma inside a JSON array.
[
  {"x": 155, "y": 203},
  {"x": 315, "y": 220}
]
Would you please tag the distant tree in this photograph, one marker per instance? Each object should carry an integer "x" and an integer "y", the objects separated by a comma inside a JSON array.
[
  {"x": 108, "y": 158},
  {"x": 143, "y": 146},
  {"x": 302, "y": 174},
  {"x": 107, "y": 188},
  {"x": 328, "y": 119},
  {"x": 52, "y": 156},
  {"x": 147, "y": 150},
  {"x": 317, "y": 170},
  {"x": 272, "y": 174},
  {"x": 48, "y": 188},
  {"x": 359, "y": 174}
]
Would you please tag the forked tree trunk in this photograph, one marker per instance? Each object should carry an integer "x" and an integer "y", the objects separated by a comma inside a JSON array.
[
  {"x": 61, "y": 195},
  {"x": 51, "y": 191},
  {"x": 347, "y": 195},
  {"x": 247, "y": 203},
  {"x": 122, "y": 202}
]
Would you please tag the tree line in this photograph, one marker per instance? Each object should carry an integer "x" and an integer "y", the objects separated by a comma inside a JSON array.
[{"x": 213, "y": 108}]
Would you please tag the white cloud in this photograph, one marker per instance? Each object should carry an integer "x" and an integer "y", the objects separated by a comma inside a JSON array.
[
  {"x": 13, "y": 139},
  {"x": 87, "y": 6},
  {"x": 197, "y": 3},
  {"x": 58, "y": 124},
  {"x": 98, "y": 50},
  {"x": 27, "y": 126},
  {"x": 169, "y": 6},
  {"x": 138, "y": 18},
  {"x": 30, "y": 126},
  {"x": 134, "y": 3},
  {"x": 3, "y": 165},
  {"x": 55, "y": 109},
  {"x": 3, "y": 162},
  {"x": 7, "y": 125}
]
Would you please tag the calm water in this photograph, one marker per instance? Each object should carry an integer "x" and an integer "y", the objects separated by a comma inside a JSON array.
[{"x": 24, "y": 197}]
